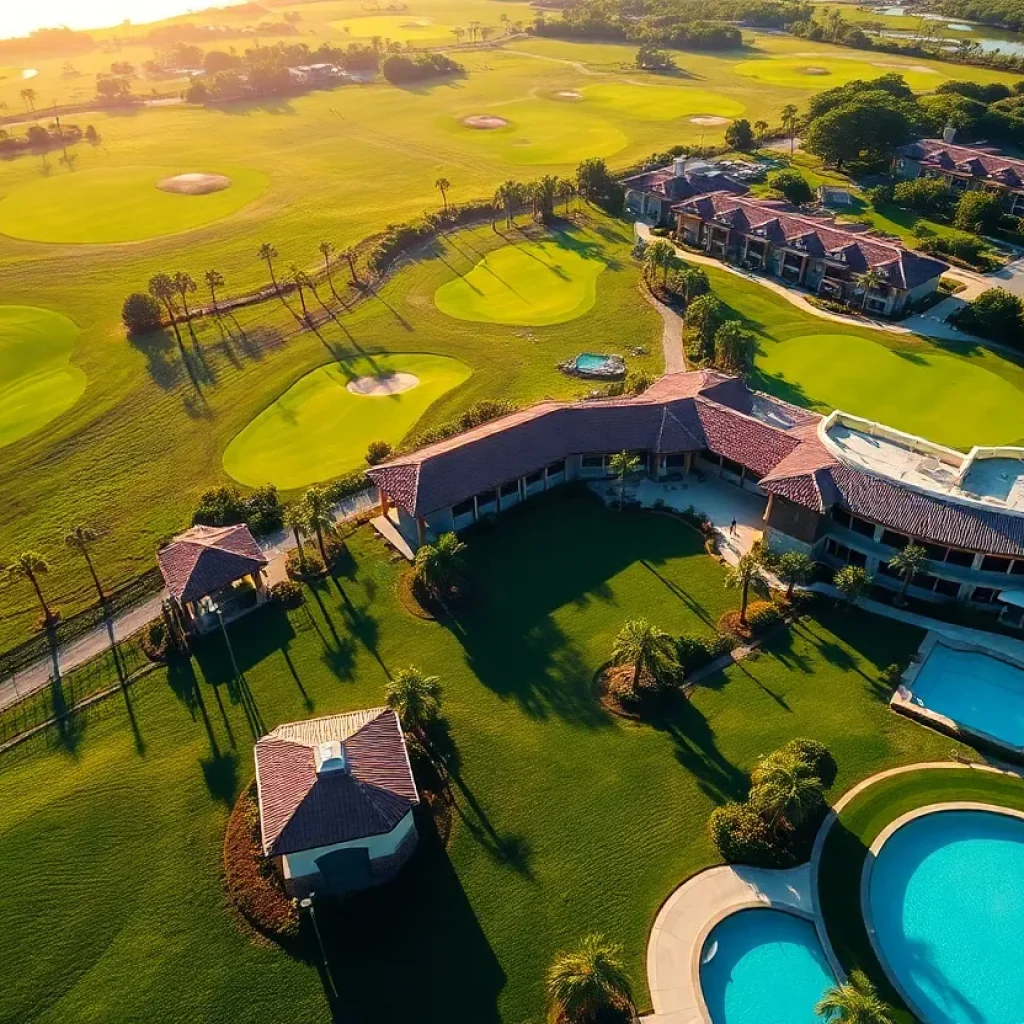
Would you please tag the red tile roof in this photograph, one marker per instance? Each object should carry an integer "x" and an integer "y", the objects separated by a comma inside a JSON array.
[
  {"x": 301, "y": 809},
  {"x": 986, "y": 164},
  {"x": 204, "y": 559}
]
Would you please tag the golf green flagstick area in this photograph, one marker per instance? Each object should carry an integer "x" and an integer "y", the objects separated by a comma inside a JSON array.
[
  {"x": 532, "y": 284},
  {"x": 37, "y": 379},
  {"x": 319, "y": 429},
  {"x": 119, "y": 204}
]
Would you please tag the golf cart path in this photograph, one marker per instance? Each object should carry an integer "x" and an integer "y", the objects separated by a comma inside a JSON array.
[{"x": 671, "y": 335}]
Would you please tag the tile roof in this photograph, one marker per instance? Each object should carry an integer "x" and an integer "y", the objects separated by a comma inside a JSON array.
[
  {"x": 666, "y": 184},
  {"x": 301, "y": 809},
  {"x": 984, "y": 163},
  {"x": 784, "y": 225},
  {"x": 204, "y": 559}
]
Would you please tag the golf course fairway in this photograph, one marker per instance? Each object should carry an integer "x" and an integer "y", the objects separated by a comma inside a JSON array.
[
  {"x": 531, "y": 284},
  {"x": 119, "y": 204},
  {"x": 319, "y": 429},
  {"x": 921, "y": 393},
  {"x": 37, "y": 379},
  {"x": 658, "y": 102},
  {"x": 820, "y": 71}
]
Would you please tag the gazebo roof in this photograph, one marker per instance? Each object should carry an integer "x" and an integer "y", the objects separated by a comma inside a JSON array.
[{"x": 205, "y": 559}]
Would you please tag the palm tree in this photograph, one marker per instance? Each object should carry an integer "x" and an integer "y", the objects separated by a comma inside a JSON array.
[
  {"x": 28, "y": 96},
  {"x": 326, "y": 249},
  {"x": 785, "y": 789},
  {"x": 301, "y": 279},
  {"x": 869, "y": 281},
  {"x": 319, "y": 515},
  {"x": 486, "y": 31},
  {"x": 659, "y": 255},
  {"x": 458, "y": 33},
  {"x": 508, "y": 195},
  {"x": 622, "y": 465},
  {"x": 162, "y": 288},
  {"x": 647, "y": 648},
  {"x": 350, "y": 256},
  {"x": 503, "y": 18},
  {"x": 474, "y": 27},
  {"x": 789, "y": 125},
  {"x": 184, "y": 285},
  {"x": 586, "y": 981},
  {"x": 853, "y": 582},
  {"x": 760, "y": 132},
  {"x": 566, "y": 191},
  {"x": 440, "y": 565},
  {"x": 907, "y": 564},
  {"x": 80, "y": 539},
  {"x": 415, "y": 697},
  {"x": 214, "y": 280},
  {"x": 794, "y": 567},
  {"x": 443, "y": 184},
  {"x": 268, "y": 254},
  {"x": 296, "y": 519},
  {"x": 746, "y": 573},
  {"x": 30, "y": 565},
  {"x": 854, "y": 1004}
]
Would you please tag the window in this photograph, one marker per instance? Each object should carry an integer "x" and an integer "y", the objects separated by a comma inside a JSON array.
[
  {"x": 510, "y": 489},
  {"x": 984, "y": 595},
  {"x": 996, "y": 563},
  {"x": 862, "y": 526},
  {"x": 1018, "y": 567},
  {"x": 858, "y": 558},
  {"x": 593, "y": 462},
  {"x": 894, "y": 540},
  {"x": 731, "y": 467},
  {"x": 556, "y": 467},
  {"x": 679, "y": 462},
  {"x": 464, "y": 508},
  {"x": 837, "y": 550},
  {"x": 936, "y": 552},
  {"x": 885, "y": 569},
  {"x": 841, "y": 516},
  {"x": 535, "y": 478},
  {"x": 947, "y": 588},
  {"x": 486, "y": 497},
  {"x": 962, "y": 558}
]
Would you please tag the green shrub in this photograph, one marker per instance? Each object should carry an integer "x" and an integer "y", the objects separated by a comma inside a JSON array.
[
  {"x": 815, "y": 754},
  {"x": 978, "y": 213},
  {"x": 695, "y": 650},
  {"x": 881, "y": 194},
  {"x": 891, "y": 675},
  {"x": 791, "y": 184},
  {"x": 742, "y": 836},
  {"x": 225, "y": 506},
  {"x": 996, "y": 314},
  {"x": 762, "y": 616},
  {"x": 141, "y": 314},
  {"x": 347, "y": 485},
  {"x": 311, "y": 565},
  {"x": 377, "y": 452},
  {"x": 288, "y": 593},
  {"x": 262, "y": 510},
  {"x": 925, "y": 195}
]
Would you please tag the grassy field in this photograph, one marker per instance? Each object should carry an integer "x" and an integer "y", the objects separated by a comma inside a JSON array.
[
  {"x": 318, "y": 429},
  {"x": 568, "y": 820},
  {"x": 860, "y": 823}
]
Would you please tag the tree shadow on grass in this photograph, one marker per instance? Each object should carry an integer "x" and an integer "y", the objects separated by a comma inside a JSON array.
[
  {"x": 162, "y": 361},
  {"x": 412, "y": 949}
]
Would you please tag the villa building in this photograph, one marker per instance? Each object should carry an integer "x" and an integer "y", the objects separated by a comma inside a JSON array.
[
  {"x": 651, "y": 195},
  {"x": 814, "y": 252},
  {"x": 336, "y": 798},
  {"x": 964, "y": 167},
  {"x": 844, "y": 490}
]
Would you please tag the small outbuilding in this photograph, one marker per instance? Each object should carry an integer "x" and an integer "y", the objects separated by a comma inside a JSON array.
[
  {"x": 336, "y": 798},
  {"x": 213, "y": 573}
]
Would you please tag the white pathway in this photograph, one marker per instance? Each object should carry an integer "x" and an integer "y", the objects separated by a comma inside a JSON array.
[{"x": 671, "y": 335}]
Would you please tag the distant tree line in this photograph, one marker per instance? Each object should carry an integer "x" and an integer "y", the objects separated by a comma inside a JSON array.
[
  {"x": 51, "y": 42},
  {"x": 998, "y": 13},
  {"x": 399, "y": 68}
]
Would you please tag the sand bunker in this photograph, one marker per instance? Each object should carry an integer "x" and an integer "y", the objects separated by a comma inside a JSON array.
[
  {"x": 710, "y": 121},
  {"x": 484, "y": 121},
  {"x": 194, "y": 184},
  {"x": 385, "y": 384},
  {"x": 568, "y": 94},
  {"x": 817, "y": 71},
  {"x": 919, "y": 68},
  {"x": 417, "y": 23}
]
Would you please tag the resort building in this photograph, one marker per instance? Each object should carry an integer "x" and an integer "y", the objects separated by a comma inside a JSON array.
[
  {"x": 213, "y": 574},
  {"x": 336, "y": 798},
  {"x": 651, "y": 195},
  {"x": 844, "y": 490},
  {"x": 813, "y": 252},
  {"x": 962, "y": 168}
]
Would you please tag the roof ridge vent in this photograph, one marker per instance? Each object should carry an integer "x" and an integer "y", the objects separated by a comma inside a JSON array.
[{"x": 329, "y": 756}]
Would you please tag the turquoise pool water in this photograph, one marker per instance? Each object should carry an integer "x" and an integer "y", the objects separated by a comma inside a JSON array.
[
  {"x": 947, "y": 901},
  {"x": 587, "y": 362},
  {"x": 768, "y": 967},
  {"x": 975, "y": 690}
]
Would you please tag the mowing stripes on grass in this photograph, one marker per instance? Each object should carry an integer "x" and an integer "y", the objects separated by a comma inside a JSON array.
[
  {"x": 120, "y": 204},
  {"x": 319, "y": 429},
  {"x": 533, "y": 284},
  {"x": 823, "y": 71},
  {"x": 649, "y": 102},
  {"x": 37, "y": 380}
]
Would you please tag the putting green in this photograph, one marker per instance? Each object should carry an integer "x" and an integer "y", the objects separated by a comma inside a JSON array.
[
  {"x": 919, "y": 392},
  {"x": 318, "y": 429},
  {"x": 658, "y": 102},
  {"x": 822, "y": 71},
  {"x": 120, "y": 204},
  {"x": 532, "y": 284},
  {"x": 37, "y": 380},
  {"x": 397, "y": 27},
  {"x": 540, "y": 132}
]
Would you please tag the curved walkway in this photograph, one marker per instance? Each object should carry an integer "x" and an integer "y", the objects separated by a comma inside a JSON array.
[
  {"x": 672, "y": 334},
  {"x": 689, "y": 914}
]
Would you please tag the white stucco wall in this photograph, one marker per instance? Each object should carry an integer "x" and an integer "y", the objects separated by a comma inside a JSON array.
[{"x": 295, "y": 865}]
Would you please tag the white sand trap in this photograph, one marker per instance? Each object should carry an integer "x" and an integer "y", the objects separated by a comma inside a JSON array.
[
  {"x": 919, "y": 68},
  {"x": 484, "y": 121},
  {"x": 817, "y": 71},
  {"x": 710, "y": 120},
  {"x": 417, "y": 23},
  {"x": 194, "y": 184},
  {"x": 568, "y": 94},
  {"x": 385, "y": 384},
  {"x": 29, "y": 73}
]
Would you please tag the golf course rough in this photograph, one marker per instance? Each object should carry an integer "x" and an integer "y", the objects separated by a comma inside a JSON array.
[
  {"x": 919, "y": 392},
  {"x": 37, "y": 379},
  {"x": 319, "y": 429},
  {"x": 120, "y": 204},
  {"x": 528, "y": 285}
]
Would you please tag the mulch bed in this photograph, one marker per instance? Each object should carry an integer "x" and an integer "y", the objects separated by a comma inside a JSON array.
[
  {"x": 412, "y": 599},
  {"x": 609, "y": 679},
  {"x": 253, "y": 884}
]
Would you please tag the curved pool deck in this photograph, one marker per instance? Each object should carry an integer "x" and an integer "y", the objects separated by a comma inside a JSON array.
[
  {"x": 687, "y": 917},
  {"x": 921, "y": 1000}
]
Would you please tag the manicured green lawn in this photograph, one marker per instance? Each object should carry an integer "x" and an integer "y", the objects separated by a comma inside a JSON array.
[
  {"x": 568, "y": 820},
  {"x": 659, "y": 102},
  {"x": 860, "y": 824},
  {"x": 533, "y": 284},
  {"x": 318, "y": 429},
  {"x": 821, "y": 68},
  {"x": 38, "y": 381}
]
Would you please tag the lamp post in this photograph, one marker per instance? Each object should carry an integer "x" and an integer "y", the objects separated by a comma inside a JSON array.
[{"x": 307, "y": 905}]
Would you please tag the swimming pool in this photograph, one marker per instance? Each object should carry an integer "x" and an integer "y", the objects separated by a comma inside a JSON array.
[
  {"x": 763, "y": 967},
  {"x": 591, "y": 364},
  {"x": 946, "y": 899},
  {"x": 975, "y": 690}
]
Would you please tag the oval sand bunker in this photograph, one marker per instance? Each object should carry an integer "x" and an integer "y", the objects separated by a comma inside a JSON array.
[
  {"x": 484, "y": 121},
  {"x": 709, "y": 120},
  {"x": 568, "y": 94},
  {"x": 194, "y": 184},
  {"x": 385, "y": 384},
  {"x": 817, "y": 71}
]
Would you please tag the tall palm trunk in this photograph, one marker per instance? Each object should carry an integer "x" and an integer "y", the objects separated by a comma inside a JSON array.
[
  {"x": 92, "y": 572},
  {"x": 302, "y": 302},
  {"x": 298, "y": 544},
  {"x": 352, "y": 268},
  {"x": 174, "y": 326},
  {"x": 188, "y": 322},
  {"x": 39, "y": 594},
  {"x": 743, "y": 601},
  {"x": 320, "y": 542},
  {"x": 213, "y": 301},
  {"x": 327, "y": 270}
]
